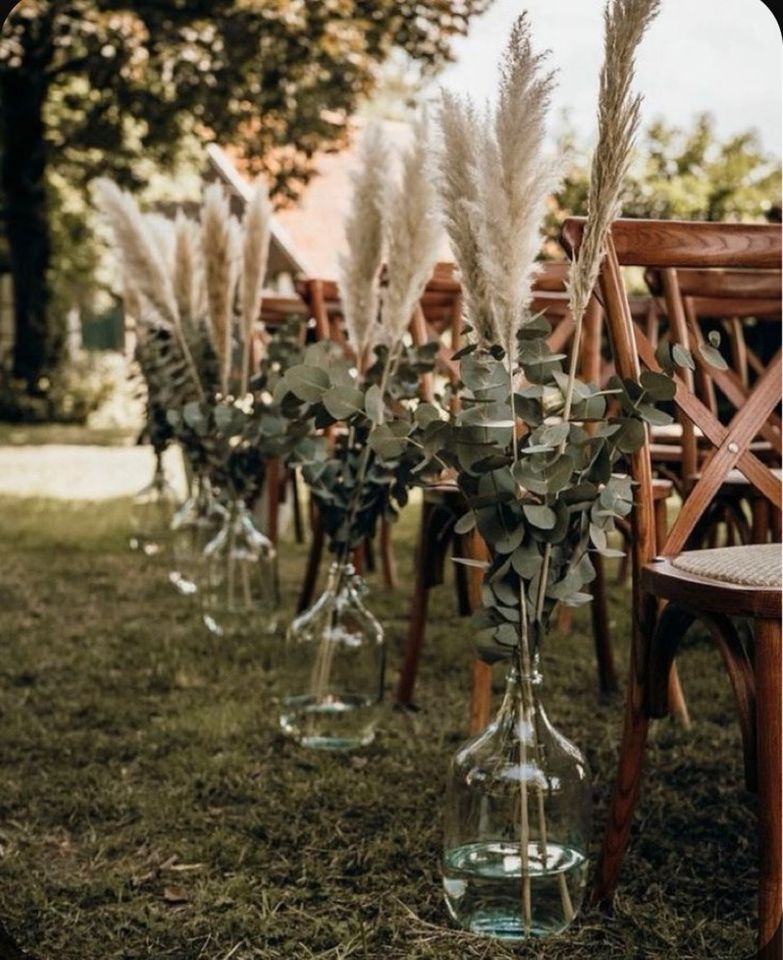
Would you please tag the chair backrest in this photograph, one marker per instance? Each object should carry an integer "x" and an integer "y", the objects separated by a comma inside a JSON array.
[
  {"x": 439, "y": 317},
  {"x": 671, "y": 245},
  {"x": 733, "y": 297}
]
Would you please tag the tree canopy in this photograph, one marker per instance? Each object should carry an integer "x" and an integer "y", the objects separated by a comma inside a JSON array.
[
  {"x": 687, "y": 174},
  {"x": 90, "y": 86}
]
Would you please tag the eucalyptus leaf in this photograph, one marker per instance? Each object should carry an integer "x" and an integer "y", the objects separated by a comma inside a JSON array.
[
  {"x": 308, "y": 382},
  {"x": 465, "y": 523},
  {"x": 658, "y": 386},
  {"x": 712, "y": 356},
  {"x": 540, "y": 516},
  {"x": 654, "y": 416},
  {"x": 682, "y": 356},
  {"x": 631, "y": 435},
  {"x": 374, "y": 405},
  {"x": 526, "y": 561},
  {"x": 509, "y": 542},
  {"x": 343, "y": 402}
]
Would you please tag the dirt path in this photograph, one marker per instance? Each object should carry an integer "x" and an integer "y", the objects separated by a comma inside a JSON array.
[{"x": 71, "y": 472}]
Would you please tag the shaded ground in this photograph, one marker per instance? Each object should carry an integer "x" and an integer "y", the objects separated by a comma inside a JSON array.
[{"x": 149, "y": 808}]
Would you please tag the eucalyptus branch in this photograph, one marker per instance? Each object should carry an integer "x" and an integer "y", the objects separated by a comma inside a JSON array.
[{"x": 625, "y": 22}]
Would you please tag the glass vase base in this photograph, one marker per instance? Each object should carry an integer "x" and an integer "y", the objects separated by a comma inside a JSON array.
[
  {"x": 485, "y": 889},
  {"x": 336, "y": 723}
]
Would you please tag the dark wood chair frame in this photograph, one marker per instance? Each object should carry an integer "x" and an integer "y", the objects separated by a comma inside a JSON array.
[{"x": 665, "y": 599}]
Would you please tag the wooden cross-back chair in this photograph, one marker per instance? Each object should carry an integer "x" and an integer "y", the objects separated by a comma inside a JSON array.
[
  {"x": 278, "y": 480},
  {"x": 672, "y": 588},
  {"x": 730, "y": 299}
]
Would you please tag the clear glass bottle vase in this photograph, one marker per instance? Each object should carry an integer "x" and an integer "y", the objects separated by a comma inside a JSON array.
[
  {"x": 241, "y": 594},
  {"x": 151, "y": 513},
  {"x": 517, "y": 822},
  {"x": 332, "y": 674},
  {"x": 195, "y": 524}
]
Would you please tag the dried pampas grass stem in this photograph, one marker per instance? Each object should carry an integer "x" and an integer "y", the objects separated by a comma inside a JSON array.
[
  {"x": 257, "y": 226},
  {"x": 359, "y": 266},
  {"x": 461, "y": 138},
  {"x": 145, "y": 271},
  {"x": 412, "y": 236},
  {"x": 220, "y": 248},
  {"x": 625, "y": 22},
  {"x": 495, "y": 181}
]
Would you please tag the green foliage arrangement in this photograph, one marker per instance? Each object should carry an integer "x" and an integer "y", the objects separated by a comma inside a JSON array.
[
  {"x": 368, "y": 402},
  {"x": 537, "y": 452},
  {"x": 366, "y": 473},
  {"x": 195, "y": 293},
  {"x": 544, "y": 489}
]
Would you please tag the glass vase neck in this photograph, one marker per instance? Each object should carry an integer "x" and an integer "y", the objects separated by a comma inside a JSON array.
[{"x": 522, "y": 689}]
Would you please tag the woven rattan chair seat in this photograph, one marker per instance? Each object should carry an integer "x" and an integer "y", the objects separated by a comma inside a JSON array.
[{"x": 752, "y": 566}]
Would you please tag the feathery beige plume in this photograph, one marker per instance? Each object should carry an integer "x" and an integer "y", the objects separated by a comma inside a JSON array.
[
  {"x": 257, "y": 227},
  {"x": 162, "y": 231},
  {"x": 140, "y": 252},
  {"x": 360, "y": 265},
  {"x": 145, "y": 272},
  {"x": 461, "y": 138},
  {"x": 413, "y": 232},
  {"x": 625, "y": 22},
  {"x": 515, "y": 180},
  {"x": 186, "y": 269},
  {"x": 220, "y": 249}
]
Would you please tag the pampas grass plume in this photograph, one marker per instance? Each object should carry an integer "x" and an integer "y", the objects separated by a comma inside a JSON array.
[
  {"x": 220, "y": 244},
  {"x": 360, "y": 265},
  {"x": 413, "y": 232}
]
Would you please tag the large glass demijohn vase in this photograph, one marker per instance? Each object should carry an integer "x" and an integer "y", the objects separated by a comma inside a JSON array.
[
  {"x": 197, "y": 522},
  {"x": 517, "y": 822},
  {"x": 332, "y": 670},
  {"x": 151, "y": 513},
  {"x": 241, "y": 594}
]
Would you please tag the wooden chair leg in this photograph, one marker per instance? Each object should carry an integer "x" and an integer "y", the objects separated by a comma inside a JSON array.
[
  {"x": 388, "y": 561},
  {"x": 675, "y": 694},
  {"x": 769, "y": 744},
  {"x": 624, "y": 567},
  {"x": 481, "y": 673},
  {"x": 626, "y": 790},
  {"x": 565, "y": 619},
  {"x": 776, "y": 524},
  {"x": 480, "y": 696},
  {"x": 677, "y": 702},
  {"x": 464, "y": 607},
  {"x": 761, "y": 520},
  {"x": 418, "y": 614},
  {"x": 307, "y": 592},
  {"x": 607, "y": 676}
]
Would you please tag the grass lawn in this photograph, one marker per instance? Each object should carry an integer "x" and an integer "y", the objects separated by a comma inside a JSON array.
[{"x": 150, "y": 809}]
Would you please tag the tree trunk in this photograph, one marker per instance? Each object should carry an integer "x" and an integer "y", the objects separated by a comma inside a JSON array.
[{"x": 23, "y": 94}]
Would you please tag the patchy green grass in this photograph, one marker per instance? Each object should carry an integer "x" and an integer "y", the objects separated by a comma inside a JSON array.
[{"x": 150, "y": 809}]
